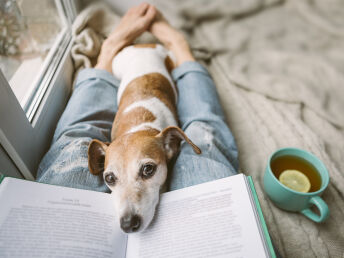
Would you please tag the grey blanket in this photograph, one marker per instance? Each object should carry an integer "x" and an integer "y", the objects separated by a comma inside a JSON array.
[{"x": 279, "y": 71}]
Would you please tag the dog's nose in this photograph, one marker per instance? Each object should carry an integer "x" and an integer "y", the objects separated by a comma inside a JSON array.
[{"x": 130, "y": 223}]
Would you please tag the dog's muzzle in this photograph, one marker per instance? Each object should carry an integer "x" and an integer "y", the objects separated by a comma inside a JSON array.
[{"x": 130, "y": 223}]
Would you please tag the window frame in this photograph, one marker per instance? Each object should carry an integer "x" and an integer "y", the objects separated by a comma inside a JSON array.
[{"x": 49, "y": 67}]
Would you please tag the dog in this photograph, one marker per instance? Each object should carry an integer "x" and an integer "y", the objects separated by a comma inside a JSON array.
[{"x": 144, "y": 135}]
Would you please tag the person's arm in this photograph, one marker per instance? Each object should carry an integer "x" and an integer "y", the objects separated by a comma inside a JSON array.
[{"x": 202, "y": 119}]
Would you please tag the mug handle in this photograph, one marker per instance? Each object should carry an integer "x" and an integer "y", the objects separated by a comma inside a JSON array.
[{"x": 321, "y": 205}]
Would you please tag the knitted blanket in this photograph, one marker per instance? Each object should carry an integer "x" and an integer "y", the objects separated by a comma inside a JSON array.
[{"x": 279, "y": 71}]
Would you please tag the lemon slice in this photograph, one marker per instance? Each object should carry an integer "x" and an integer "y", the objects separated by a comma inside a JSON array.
[{"x": 295, "y": 180}]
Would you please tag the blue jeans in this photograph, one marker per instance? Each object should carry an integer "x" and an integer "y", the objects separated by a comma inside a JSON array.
[{"x": 91, "y": 110}]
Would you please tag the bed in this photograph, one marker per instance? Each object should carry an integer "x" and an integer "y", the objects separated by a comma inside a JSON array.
[{"x": 279, "y": 70}]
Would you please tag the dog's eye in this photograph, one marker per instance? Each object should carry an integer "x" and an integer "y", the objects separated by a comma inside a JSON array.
[
  {"x": 110, "y": 179},
  {"x": 147, "y": 170}
]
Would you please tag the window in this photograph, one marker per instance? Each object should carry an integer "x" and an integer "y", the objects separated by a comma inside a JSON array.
[
  {"x": 29, "y": 30},
  {"x": 35, "y": 77}
]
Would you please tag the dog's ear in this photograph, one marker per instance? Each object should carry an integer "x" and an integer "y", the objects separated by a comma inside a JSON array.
[
  {"x": 96, "y": 156},
  {"x": 172, "y": 136}
]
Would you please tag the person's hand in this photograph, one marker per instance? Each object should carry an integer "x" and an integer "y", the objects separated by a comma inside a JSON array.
[
  {"x": 171, "y": 38},
  {"x": 133, "y": 24}
]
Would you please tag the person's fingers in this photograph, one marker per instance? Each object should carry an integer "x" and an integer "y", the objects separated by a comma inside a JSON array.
[
  {"x": 142, "y": 9},
  {"x": 134, "y": 23},
  {"x": 150, "y": 14}
]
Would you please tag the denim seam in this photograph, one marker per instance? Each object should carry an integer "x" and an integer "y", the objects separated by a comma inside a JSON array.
[
  {"x": 108, "y": 83},
  {"x": 89, "y": 74}
]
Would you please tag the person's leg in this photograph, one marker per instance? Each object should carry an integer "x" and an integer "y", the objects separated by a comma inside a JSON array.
[
  {"x": 203, "y": 121},
  {"x": 200, "y": 115},
  {"x": 91, "y": 110},
  {"x": 88, "y": 115}
]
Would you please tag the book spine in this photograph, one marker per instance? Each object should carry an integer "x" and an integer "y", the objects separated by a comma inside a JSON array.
[{"x": 261, "y": 217}]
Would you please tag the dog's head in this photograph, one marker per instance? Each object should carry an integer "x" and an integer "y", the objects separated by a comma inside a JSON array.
[{"x": 134, "y": 167}]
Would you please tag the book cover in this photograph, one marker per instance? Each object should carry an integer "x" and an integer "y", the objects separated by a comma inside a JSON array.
[
  {"x": 261, "y": 218},
  {"x": 1, "y": 177}
]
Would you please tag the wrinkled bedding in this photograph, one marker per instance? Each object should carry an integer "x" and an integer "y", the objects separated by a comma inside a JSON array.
[{"x": 279, "y": 71}]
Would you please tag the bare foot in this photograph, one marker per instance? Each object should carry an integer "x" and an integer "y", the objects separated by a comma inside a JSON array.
[
  {"x": 133, "y": 24},
  {"x": 172, "y": 39}
]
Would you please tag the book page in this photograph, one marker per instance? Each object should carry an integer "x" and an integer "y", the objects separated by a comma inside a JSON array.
[
  {"x": 40, "y": 220},
  {"x": 214, "y": 219}
]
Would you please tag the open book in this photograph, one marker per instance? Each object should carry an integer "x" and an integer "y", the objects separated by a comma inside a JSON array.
[{"x": 221, "y": 218}]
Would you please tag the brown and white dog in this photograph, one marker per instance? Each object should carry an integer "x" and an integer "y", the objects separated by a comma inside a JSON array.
[{"x": 144, "y": 135}]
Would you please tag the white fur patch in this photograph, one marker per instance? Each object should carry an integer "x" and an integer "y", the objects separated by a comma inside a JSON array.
[
  {"x": 164, "y": 116},
  {"x": 133, "y": 62}
]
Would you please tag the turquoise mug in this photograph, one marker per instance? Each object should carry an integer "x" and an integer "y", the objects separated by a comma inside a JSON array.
[{"x": 290, "y": 200}]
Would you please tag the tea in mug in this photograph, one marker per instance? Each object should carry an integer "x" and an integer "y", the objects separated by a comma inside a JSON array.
[{"x": 289, "y": 162}]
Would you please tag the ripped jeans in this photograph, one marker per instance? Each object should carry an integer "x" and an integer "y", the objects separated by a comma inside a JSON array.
[{"x": 91, "y": 110}]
